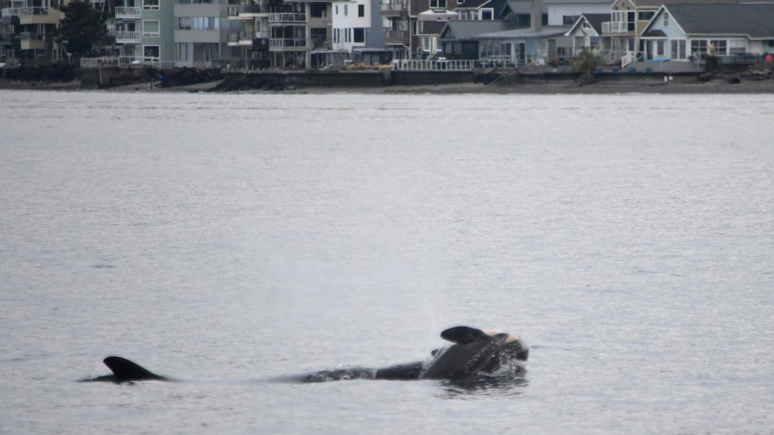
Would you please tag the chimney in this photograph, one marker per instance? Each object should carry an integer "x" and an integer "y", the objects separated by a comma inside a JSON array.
[{"x": 536, "y": 17}]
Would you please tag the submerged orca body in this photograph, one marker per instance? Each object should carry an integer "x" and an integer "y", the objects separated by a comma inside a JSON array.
[
  {"x": 125, "y": 371},
  {"x": 474, "y": 353}
]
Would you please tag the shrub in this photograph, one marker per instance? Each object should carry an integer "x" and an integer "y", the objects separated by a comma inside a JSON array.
[{"x": 588, "y": 63}]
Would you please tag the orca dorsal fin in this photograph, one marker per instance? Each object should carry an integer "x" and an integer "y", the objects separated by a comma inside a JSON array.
[
  {"x": 126, "y": 371},
  {"x": 462, "y": 334}
]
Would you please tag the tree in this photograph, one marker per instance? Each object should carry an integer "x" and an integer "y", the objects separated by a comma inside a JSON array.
[{"x": 82, "y": 30}]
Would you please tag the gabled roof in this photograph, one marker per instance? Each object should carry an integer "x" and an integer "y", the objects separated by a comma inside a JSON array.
[
  {"x": 459, "y": 30},
  {"x": 432, "y": 27},
  {"x": 471, "y": 4},
  {"x": 527, "y": 33},
  {"x": 594, "y": 20},
  {"x": 753, "y": 20}
]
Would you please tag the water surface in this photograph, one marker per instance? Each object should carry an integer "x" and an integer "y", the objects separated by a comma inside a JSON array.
[{"x": 234, "y": 240}]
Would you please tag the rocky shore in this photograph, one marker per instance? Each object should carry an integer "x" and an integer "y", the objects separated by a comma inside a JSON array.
[{"x": 761, "y": 82}]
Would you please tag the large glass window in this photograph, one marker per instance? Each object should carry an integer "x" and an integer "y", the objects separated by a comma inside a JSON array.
[
  {"x": 678, "y": 49},
  {"x": 151, "y": 4}
]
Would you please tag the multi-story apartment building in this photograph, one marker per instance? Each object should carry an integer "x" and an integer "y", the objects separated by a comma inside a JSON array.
[
  {"x": 143, "y": 31},
  {"x": 300, "y": 34},
  {"x": 27, "y": 29},
  {"x": 201, "y": 32},
  {"x": 10, "y": 43},
  {"x": 252, "y": 35}
]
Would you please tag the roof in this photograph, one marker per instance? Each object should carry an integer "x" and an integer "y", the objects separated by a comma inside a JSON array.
[
  {"x": 741, "y": 19},
  {"x": 432, "y": 27},
  {"x": 524, "y": 7},
  {"x": 471, "y": 4},
  {"x": 465, "y": 30},
  {"x": 527, "y": 33},
  {"x": 594, "y": 20},
  {"x": 658, "y": 3}
]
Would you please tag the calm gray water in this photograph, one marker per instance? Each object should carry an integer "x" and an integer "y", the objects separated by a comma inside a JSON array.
[{"x": 233, "y": 240}]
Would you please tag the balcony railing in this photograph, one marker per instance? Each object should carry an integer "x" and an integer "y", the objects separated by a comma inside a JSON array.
[
  {"x": 128, "y": 12},
  {"x": 287, "y": 44},
  {"x": 23, "y": 12},
  {"x": 26, "y": 36},
  {"x": 398, "y": 37},
  {"x": 245, "y": 11},
  {"x": 124, "y": 37},
  {"x": 287, "y": 18},
  {"x": 617, "y": 27}
]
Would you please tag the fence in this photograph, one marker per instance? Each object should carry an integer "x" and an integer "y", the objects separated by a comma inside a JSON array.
[{"x": 432, "y": 65}]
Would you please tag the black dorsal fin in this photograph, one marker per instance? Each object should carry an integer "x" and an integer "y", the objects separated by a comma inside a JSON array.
[
  {"x": 462, "y": 334},
  {"x": 126, "y": 371}
]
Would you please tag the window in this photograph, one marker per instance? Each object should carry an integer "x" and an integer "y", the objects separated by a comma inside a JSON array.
[
  {"x": 486, "y": 14},
  {"x": 359, "y": 35},
  {"x": 737, "y": 46},
  {"x": 659, "y": 48},
  {"x": 569, "y": 20},
  {"x": 646, "y": 16},
  {"x": 719, "y": 47},
  {"x": 151, "y": 52},
  {"x": 150, "y": 4},
  {"x": 206, "y": 23},
  {"x": 346, "y": 10},
  {"x": 182, "y": 51},
  {"x": 150, "y": 28},
  {"x": 666, "y": 19},
  {"x": 678, "y": 49},
  {"x": 699, "y": 46},
  {"x": 437, "y": 4},
  {"x": 360, "y": 11},
  {"x": 183, "y": 23}
]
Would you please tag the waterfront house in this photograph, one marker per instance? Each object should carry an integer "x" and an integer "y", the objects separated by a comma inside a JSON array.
[
  {"x": 685, "y": 33},
  {"x": 459, "y": 39},
  {"x": 586, "y": 33},
  {"x": 358, "y": 32}
]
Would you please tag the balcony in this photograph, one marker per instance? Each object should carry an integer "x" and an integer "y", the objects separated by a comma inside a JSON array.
[
  {"x": 287, "y": 18},
  {"x": 395, "y": 9},
  {"x": 617, "y": 27},
  {"x": 398, "y": 37},
  {"x": 287, "y": 44},
  {"x": 128, "y": 13},
  {"x": 245, "y": 12},
  {"x": 123, "y": 37}
]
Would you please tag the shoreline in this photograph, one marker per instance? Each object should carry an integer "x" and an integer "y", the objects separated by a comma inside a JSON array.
[{"x": 717, "y": 86}]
